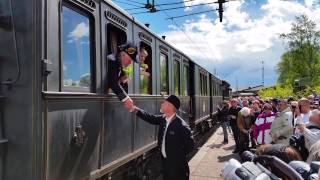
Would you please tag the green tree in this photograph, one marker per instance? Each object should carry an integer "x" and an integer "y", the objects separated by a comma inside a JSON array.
[{"x": 302, "y": 60}]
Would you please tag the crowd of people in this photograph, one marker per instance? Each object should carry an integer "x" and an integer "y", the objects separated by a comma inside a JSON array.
[{"x": 286, "y": 128}]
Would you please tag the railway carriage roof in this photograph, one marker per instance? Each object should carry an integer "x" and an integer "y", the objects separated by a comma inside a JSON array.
[{"x": 155, "y": 35}]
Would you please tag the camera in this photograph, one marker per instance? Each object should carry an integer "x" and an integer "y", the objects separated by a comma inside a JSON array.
[{"x": 297, "y": 141}]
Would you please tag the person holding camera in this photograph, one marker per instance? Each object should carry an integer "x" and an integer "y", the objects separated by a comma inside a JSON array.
[
  {"x": 302, "y": 112},
  {"x": 282, "y": 127},
  {"x": 311, "y": 131}
]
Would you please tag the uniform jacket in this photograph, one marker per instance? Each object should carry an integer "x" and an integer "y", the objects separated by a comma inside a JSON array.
[
  {"x": 179, "y": 142},
  {"x": 282, "y": 127},
  {"x": 114, "y": 74}
]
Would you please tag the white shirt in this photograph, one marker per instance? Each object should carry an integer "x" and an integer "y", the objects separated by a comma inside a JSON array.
[{"x": 163, "y": 148}]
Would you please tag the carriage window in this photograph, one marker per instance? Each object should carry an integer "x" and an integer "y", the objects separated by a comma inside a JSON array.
[
  {"x": 76, "y": 50},
  {"x": 164, "y": 89},
  {"x": 115, "y": 37},
  {"x": 176, "y": 69},
  {"x": 185, "y": 82},
  {"x": 205, "y": 85},
  {"x": 200, "y": 75},
  {"x": 145, "y": 56}
]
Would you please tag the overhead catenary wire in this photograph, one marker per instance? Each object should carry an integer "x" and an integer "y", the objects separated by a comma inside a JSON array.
[
  {"x": 131, "y": 1},
  {"x": 181, "y": 7},
  {"x": 199, "y": 49},
  {"x": 164, "y": 4},
  {"x": 126, "y": 3},
  {"x": 175, "y": 17}
]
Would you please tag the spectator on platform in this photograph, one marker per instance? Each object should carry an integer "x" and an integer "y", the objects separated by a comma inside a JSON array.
[
  {"x": 314, "y": 153},
  {"x": 261, "y": 128},
  {"x": 303, "y": 112},
  {"x": 245, "y": 103},
  {"x": 274, "y": 104},
  {"x": 311, "y": 131},
  {"x": 233, "y": 111},
  {"x": 283, "y": 152},
  {"x": 223, "y": 116},
  {"x": 282, "y": 126},
  {"x": 245, "y": 123},
  {"x": 256, "y": 107}
]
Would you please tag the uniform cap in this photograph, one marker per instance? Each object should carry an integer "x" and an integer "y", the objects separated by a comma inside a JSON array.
[{"x": 131, "y": 50}]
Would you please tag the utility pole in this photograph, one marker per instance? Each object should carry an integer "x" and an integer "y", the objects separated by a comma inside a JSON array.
[
  {"x": 237, "y": 88},
  {"x": 262, "y": 62}
]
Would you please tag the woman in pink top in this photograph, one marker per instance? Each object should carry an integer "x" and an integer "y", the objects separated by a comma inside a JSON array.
[{"x": 261, "y": 129}]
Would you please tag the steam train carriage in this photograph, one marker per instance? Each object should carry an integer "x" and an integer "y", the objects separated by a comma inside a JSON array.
[{"x": 58, "y": 120}]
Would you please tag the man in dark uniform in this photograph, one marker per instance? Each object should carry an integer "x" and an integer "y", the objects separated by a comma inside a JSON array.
[
  {"x": 174, "y": 138},
  {"x": 123, "y": 58}
]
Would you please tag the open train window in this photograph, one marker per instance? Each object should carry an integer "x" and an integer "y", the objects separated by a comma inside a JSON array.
[
  {"x": 185, "y": 80},
  {"x": 115, "y": 37},
  {"x": 176, "y": 72},
  {"x": 164, "y": 79},
  {"x": 76, "y": 49},
  {"x": 145, "y": 56}
]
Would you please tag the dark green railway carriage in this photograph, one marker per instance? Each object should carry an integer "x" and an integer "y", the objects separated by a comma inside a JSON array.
[{"x": 58, "y": 120}]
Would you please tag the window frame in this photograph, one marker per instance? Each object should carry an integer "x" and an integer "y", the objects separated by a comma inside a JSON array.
[
  {"x": 87, "y": 14},
  {"x": 150, "y": 82},
  {"x": 185, "y": 87},
  {"x": 176, "y": 60},
  {"x": 165, "y": 54}
]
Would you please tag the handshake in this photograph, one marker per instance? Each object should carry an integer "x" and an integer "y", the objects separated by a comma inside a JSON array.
[{"x": 128, "y": 104}]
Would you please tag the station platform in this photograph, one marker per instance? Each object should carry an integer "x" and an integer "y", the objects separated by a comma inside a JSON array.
[{"x": 208, "y": 162}]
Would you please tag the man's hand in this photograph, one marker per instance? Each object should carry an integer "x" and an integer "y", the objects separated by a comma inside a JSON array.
[
  {"x": 274, "y": 137},
  {"x": 128, "y": 104},
  {"x": 301, "y": 127}
]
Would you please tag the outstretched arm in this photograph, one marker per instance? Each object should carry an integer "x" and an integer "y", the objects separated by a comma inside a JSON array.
[{"x": 150, "y": 118}]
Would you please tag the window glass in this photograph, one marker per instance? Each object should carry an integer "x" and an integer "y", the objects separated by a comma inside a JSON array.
[
  {"x": 75, "y": 45},
  {"x": 201, "y": 84},
  {"x": 176, "y": 69},
  {"x": 205, "y": 85},
  {"x": 145, "y": 71},
  {"x": 164, "y": 89},
  {"x": 185, "y": 81}
]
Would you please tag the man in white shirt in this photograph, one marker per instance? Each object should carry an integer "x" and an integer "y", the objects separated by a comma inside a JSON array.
[
  {"x": 174, "y": 138},
  {"x": 303, "y": 112}
]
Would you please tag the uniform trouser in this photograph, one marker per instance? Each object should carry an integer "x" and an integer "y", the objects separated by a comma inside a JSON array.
[
  {"x": 173, "y": 170},
  {"x": 235, "y": 132},
  {"x": 225, "y": 132}
]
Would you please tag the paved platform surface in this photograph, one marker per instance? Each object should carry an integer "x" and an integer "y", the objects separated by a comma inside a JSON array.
[{"x": 211, "y": 157}]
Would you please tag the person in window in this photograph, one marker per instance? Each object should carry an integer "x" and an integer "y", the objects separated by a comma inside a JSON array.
[
  {"x": 127, "y": 71},
  {"x": 116, "y": 62},
  {"x": 143, "y": 54},
  {"x": 174, "y": 138}
]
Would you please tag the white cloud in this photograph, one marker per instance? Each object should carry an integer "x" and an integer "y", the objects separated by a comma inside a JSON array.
[
  {"x": 240, "y": 43},
  {"x": 80, "y": 31}
]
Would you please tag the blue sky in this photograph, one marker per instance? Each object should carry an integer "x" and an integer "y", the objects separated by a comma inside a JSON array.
[{"x": 235, "y": 48}]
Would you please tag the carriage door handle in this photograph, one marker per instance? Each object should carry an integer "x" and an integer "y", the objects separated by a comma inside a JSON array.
[{"x": 78, "y": 136}]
